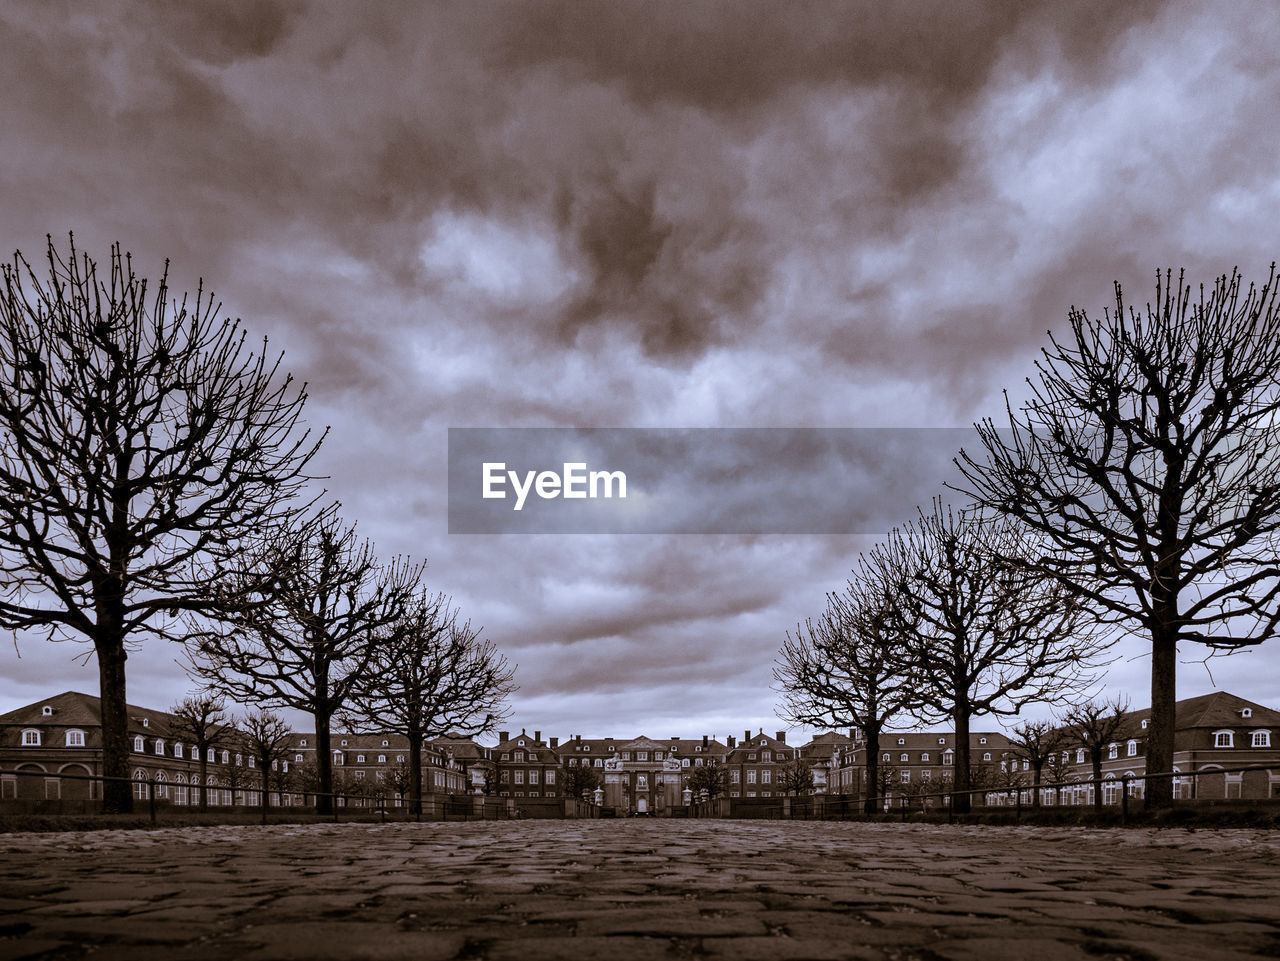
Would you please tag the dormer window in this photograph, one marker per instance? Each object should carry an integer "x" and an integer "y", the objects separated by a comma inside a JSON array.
[
  {"x": 385, "y": 742},
  {"x": 344, "y": 742},
  {"x": 1079, "y": 755},
  {"x": 1261, "y": 739},
  {"x": 982, "y": 740},
  {"x": 177, "y": 749},
  {"x": 986, "y": 756},
  {"x": 521, "y": 742},
  {"x": 1223, "y": 738},
  {"x": 47, "y": 711},
  {"x": 902, "y": 740},
  {"x": 763, "y": 741},
  {"x": 1144, "y": 723},
  {"x": 586, "y": 747},
  {"x": 159, "y": 746},
  {"x": 146, "y": 722},
  {"x": 1131, "y": 749},
  {"x": 1246, "y": 712},
  {"x": 1113, "y": 751},
  {"x": 31, "y": 738},
  {"x": 942, "y": 740},
  {"x": 138, "y": 744},
  {"x": 75, "y": 739},
  {"x": 302, "y": 742},
  {"x": 903, "y": 759}
]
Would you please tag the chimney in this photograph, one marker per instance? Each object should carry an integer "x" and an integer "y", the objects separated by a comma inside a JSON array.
[
  {"x": 537, "y": 735},
  {"x": 704, "y": 742},
  {"x": 731, "y": 741},
  {"x": 578, "y": 738},
  {"x": 782, "y": 736},
  {"x": 853, "y": 734},
  {"x": 503, "y": 736},
  {"x": 746, "y": 736},
  {"x": 555, "y": 742}
]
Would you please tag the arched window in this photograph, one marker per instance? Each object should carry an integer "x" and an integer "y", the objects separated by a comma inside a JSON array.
[
  {"x": 75, "y": 738},
  {"x": 1261, "y": 739},
  {"x": 138, "y": 744},
  {"x": 160, "y": 746},
  {"x": 162, "y": 786},
  {"x": 1131, "y": 748},
  {"x": 1113, "y": 750},
  {"x": 31, "y": 737},
  {"x": 177, "y": 749},
  {"x": 1223, "y": 738},
  {"x": 140, "y": 784},
  {"x": 226, "y": 757},
  {"x": 179, "y": 788}
]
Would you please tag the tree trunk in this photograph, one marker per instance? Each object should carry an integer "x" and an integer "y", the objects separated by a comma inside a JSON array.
[
  {"x": 324, "y": 765},
  {"x": 872, "y": 732},
  {"x": 117, "y": 796},
  {"x": 266, "y": 787},
  {"x": 415, "y": 770},
  {"x": 1160, "y": 736},
  {"x": 1095, "y": 755},
  {"x": 1035, "y": 787},
  {"x": 962, "y": 801}
]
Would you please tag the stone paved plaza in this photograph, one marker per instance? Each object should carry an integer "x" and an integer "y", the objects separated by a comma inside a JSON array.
[{"x": 640, "y": 888}]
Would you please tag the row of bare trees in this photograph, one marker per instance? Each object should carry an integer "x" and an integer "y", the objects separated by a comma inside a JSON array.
[
  {"x": 1136, "y": 490},
  {"x": 154, "y": 484}
]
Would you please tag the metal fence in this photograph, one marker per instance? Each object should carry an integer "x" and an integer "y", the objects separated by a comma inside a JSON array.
[
  {"x": 157, "y": 794},
  {"x": 1107, "y": 792}
]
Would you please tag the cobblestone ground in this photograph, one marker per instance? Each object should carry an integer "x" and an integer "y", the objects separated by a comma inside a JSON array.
[{"x": 619, "y": 890}]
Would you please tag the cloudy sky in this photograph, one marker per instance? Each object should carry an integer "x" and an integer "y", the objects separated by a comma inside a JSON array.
[{"x": 654, "y": 214}]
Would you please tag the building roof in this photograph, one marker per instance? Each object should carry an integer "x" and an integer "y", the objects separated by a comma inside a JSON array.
[{"x": 74, "y": 709}]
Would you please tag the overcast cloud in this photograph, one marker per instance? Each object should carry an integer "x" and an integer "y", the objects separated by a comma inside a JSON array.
[{"x": 654, "y": 214}]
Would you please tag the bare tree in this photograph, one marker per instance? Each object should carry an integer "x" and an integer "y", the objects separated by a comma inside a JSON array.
[
  {"x": 579, "y": 779},
  {"x": 201, "y": 719},
  {"x": 980, "y": 633},
  {"x": 140, "y": 442},
  {"x": 712, "y": 777},
  {"x": 400, "y": 779},
  {"x": 266, "y": 739},
  {"x": 796, "y": 776},
  {"x": 1037, "y": 742},
  {"x": 429, "y": 675},
  {"x": 323, "y": 603},
  {"x": 1147, "y": 454},
  {"x": 1095, "y": 724},
  {"x": 1056, "y": 769},
  {"x": 844, "y": 669}
]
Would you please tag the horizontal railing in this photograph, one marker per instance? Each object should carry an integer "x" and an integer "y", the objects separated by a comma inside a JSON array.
[
  {"x": 906, "y": 803},
  {"x": 157, "y": 789}
]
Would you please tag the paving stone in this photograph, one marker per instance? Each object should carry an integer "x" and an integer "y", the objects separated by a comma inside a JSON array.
[{"x": 485, "y": 891}]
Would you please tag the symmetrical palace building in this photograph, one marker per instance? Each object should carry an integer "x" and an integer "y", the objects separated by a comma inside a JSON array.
[{"x": 46, "y": 747}]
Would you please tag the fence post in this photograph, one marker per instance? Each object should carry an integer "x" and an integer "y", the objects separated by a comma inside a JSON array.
[
  {"x": 1018, "y": 816},
  {"x": 151, "y": 798}
]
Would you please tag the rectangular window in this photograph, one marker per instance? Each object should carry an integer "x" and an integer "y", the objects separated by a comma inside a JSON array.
[
  {"x": 751, "y": 777},
  {"x": 1261, "y": 738},
  {"x": 519, "y": 777},
  {"x": 533, "y": 777},
  {"x": 766, "y": 777},
  {"x": 642, "y": 755},
  {"x": 551, "y": 777},
  {"x": 737, "y": 777}
]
